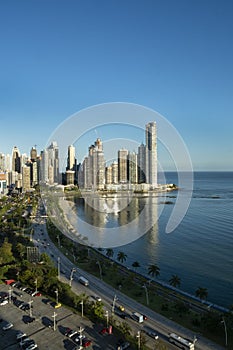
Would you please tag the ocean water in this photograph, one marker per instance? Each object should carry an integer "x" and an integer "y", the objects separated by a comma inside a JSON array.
[{"x": 199, "y": 250}]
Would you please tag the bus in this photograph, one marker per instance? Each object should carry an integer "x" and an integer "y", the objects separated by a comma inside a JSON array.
[{"x": 181, "y": 342}]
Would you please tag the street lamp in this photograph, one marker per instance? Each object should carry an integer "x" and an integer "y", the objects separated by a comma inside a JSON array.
[
  {"x": 138, "y": 336},
  {"x": 58, "y": 267},
  {"x": 114, "y": 303},
  {"x": 30, "y": 307},
  {"x": 58, "y": 241},
  {"x": 146, "y": 291},
  {"x": 80, "y": 334},
  {"x": 71, "y": 275},
  {"x": 225, "y": 328},
  {"x": 56, "y": 292},
  {"x": 98, "y": 263},
  {"x": 10, "y": 290},
  {"x": 36, "y": 284},
  {"x": 81, "y": 303},
  {"x": 106, "y": 314},
  {"x": 54, "y": 320}
]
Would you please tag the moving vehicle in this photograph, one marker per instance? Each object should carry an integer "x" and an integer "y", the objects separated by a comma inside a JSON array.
[
  {"x": 151, "y": 332},
  {"x": 83, "y": 280},
  {"x": 137, "y": 317},
  {"x": 181, "y": 342}
]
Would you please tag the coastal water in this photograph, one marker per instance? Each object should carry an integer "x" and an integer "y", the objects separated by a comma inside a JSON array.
[{"x": 199, "y": 250}]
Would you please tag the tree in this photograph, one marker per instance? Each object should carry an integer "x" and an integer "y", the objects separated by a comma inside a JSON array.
[
  {"x": 136, "y": 265},
  {"x": 121, "y": 257},
  {"x": 109, "y": 253},
  {"x": 175, "y": 281},
  {"x": 6, "y": 255},
  {"x": 201, "y": 293},
  {"x": 153, "y": 270}
]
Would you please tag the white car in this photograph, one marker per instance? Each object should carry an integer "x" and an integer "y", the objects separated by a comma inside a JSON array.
[
  {"x": 20, "y": 335},
  {"x": 97, "y": 298},
  {"x": 4, "y": 302},
  {"x": 32, "y": 347},
  {"x": 9, "y": 325}
]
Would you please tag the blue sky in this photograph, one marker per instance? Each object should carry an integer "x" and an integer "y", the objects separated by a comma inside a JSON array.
[{"x": 58, "y": 57}]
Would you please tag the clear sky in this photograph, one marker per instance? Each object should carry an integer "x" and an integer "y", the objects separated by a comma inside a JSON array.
[{"x": 174, "y": 56}]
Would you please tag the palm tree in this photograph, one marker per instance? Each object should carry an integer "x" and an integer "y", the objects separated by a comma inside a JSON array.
[
  {"x": 153, "y": 270},
  {"x": 109, "y": 252},
  {"x": 121, "y": 257},
  {"x": 201, "y": 293},
  {"x": 135, "y": 264},
  {"x": 175, "y": 281}
]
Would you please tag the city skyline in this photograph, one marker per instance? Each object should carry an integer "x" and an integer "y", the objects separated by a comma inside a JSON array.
[{"x": 172, "y": 57}]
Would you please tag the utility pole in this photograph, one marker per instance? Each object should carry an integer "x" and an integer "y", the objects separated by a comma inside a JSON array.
[{"x": 58, "y": 241}]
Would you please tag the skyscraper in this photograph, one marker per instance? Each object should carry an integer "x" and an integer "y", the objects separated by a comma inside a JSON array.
[
  {"x": 16, "y": 164},
  {"x": 151, "y": 154},
  {"x": 123, "y": 165},
  {"x": 71, "y": 158}
]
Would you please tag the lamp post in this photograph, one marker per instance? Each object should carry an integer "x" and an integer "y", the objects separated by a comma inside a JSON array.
[
  {"x": 36, "y": 284},
  {"x": 58, "y": 241},
  {"x": 58, "y": 267},
  {"x": 225, "y": 328},
  {"x": 114, "y": 303},
  {"x": 98, "y": 263},
  {"x": 146, "y": 291},
  {"x": 138, "y": 336},
  {"x": 30, "y": 307},
  {"x": 80, "y": 335},
  {"x": 54, "y": 320},
  {"x": 56, "y": 292},
  {"x": 10, "y": 290},
  {"x": 106, "y": 314},
  {"x": 71, "y": 275},
  {"x": 81, "y": 303}
]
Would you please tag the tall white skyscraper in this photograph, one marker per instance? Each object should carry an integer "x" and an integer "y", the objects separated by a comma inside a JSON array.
[
  {"x": 151, "y": 154},
  {"x": 71, "y": 158}
]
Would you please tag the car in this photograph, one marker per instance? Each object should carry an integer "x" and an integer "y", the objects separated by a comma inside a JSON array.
[
  {"x": 28, "y": 342},
  {"x": 151, "y": 332},
  {"x": 31, "y": 347},
  {"x": 3, "y": 302},
  {"x": 123, "y": 346},
  {"x": 18, "y": 293},
  {"x": 86, "y": 342},
  {"x": 97, "y": 298},
  {"x": 38, "y": 294},
  {"x": 20, "y": 335},
  {"x": 121, "y": 308},
  {"x": 24, "y": 341},
  {"x": 145, "y": 317},
  {"x": 7, "y": 326},
  {"x": 28, "y": 319}
]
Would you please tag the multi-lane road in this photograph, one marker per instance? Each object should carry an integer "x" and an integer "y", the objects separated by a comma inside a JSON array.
[{"x": 162, "y": 325}]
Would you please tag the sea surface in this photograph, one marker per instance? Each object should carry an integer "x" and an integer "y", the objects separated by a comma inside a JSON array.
[{"x": 199, "y": 250}]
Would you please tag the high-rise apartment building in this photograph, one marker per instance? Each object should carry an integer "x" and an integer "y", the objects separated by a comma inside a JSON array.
[
  {"x": 142, "y": 164},
  {"x": 123, "y": 166},
  {"x": 132, "y": 168},
  {"x": 151, "y": 154},
  {"x": 16, "y": 163},
  {"x": 53, "y": 162},
  {"x": 71, "y": 161}
]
